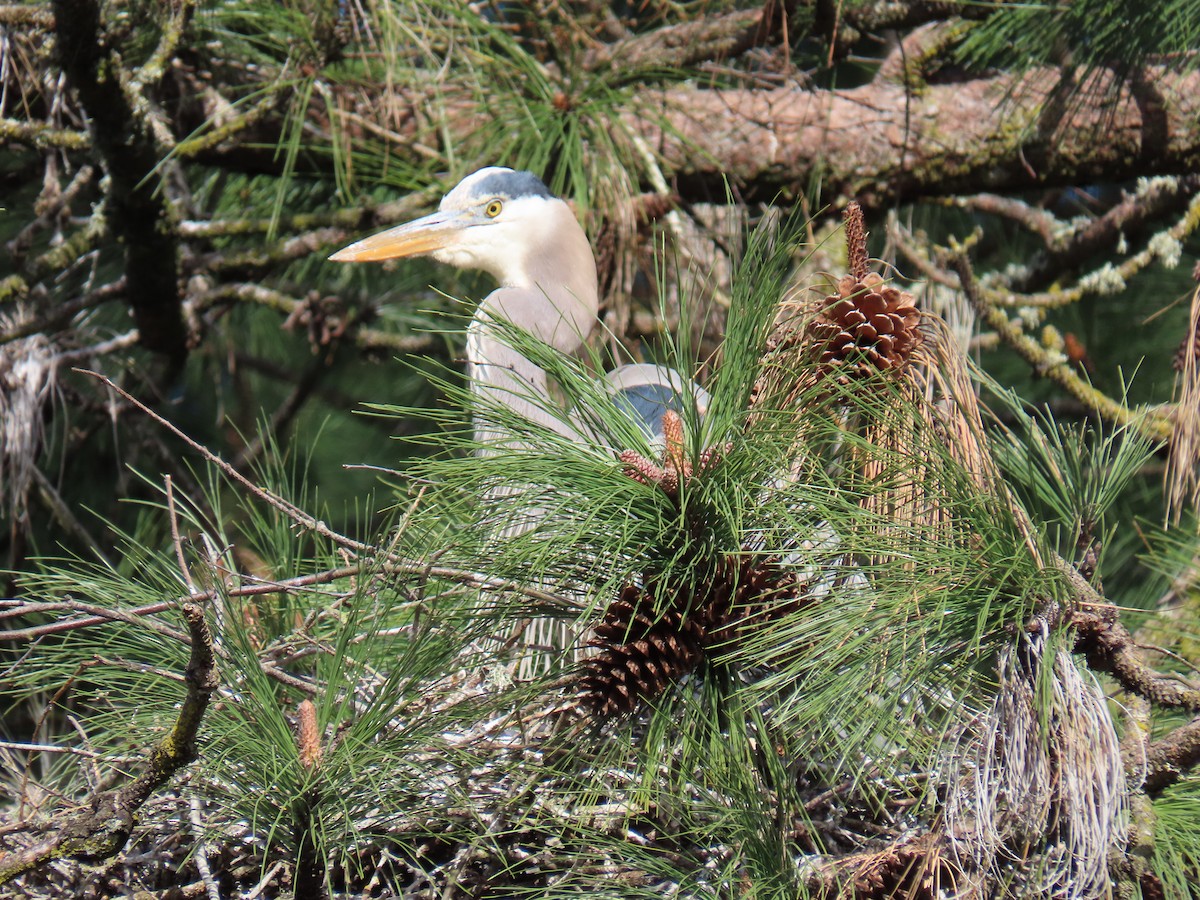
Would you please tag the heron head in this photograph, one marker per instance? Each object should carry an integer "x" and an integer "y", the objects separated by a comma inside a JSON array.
[{"x": 497, "y": 220}]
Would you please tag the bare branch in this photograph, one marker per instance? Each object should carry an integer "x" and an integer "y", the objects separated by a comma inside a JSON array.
[
  {"x": 1031, "y": 218},
  {"x": 23, "y": 14},
  {"x": 880, "y": 143},
  {"x": 1109, "y": 647},
  {"x": 58, "y": 317},
  {"x": 48, "y": 209},
  {"x": 1161, "y": 198},
  {"x": 175, "y": 21},
  {"x": 686, "y": 43},
  {"x": 366, "y": 338},
  {"x": 272, "y": 499},
  {"x": 41, "y": 136}
]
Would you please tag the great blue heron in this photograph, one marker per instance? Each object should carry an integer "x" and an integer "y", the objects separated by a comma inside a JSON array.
[{"x": 508, "y": 224}]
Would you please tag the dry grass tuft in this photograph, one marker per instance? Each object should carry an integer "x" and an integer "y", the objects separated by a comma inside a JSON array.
[
  {"x": 1183, "y": 466},
  {"x": 1040, "y": 792}
]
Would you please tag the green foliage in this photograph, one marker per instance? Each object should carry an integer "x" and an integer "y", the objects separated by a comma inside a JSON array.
[
  {"x": 260, "y": 32},
  {"x": 855, "y": 690},
  {"x": 1123, "y": 34},
  {"x": 1176, "y": 857},
  {"x": 1068, "y": 476},
  {"x": 896, "y": 628}
]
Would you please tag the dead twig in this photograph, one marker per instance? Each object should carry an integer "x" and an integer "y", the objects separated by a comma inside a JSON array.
[{"x": 269, "y": 497}]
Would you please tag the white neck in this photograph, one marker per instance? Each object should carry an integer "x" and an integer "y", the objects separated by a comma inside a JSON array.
[{"x": 551, "y": 291}]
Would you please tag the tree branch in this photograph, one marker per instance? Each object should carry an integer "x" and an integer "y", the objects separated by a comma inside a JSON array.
[
  {"x": 24, "y": 14},
  {"x": 1033, "y": 219},
  {"x": 364, "y": 338},
  {"x": 124, "y": 138},
  {"x": 685, "y": 43},
  {"x": 879, "y": 15},
  {"x": 880, "y": 143},
  {"x": 1160, "y": 198},
  {"x": 1109, "y": 647},
  {"x": 176, "y": 17},
  {"x": 1170, "y": 758},
  {"x": 908, "y": 867},
  {"x": 59, "y": 316},
  {"x": 41, "y": 136},
  {"x": 99, "y": 830}
]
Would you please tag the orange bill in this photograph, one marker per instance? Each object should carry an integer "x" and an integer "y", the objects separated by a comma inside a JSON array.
[{"x": 416, "y": 238}]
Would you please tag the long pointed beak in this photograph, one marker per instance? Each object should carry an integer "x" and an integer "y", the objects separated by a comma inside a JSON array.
[{"x": 415, "y": 238}]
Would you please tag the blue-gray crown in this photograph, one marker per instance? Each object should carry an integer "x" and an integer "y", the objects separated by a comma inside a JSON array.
[{"x": 512, "y": 185}]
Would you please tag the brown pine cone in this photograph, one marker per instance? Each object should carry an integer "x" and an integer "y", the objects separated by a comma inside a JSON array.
[
  {"x": 641, "y": 653},
  {"x": 867, "y": 327},
  {"x": 1188, "y": 346},
  {"x": 651, "y": 637}
]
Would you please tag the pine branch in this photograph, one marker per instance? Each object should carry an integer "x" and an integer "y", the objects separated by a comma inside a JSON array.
[
  {"x": 41, "y": 136},
  {"x": 50, "y": 204},
  {"x": 686, "y": 43},
  {"x": 1033, "y": 219},
  {"x": 211, "y": 139},
  {"x": 347, "y": 219},
  {"x": 23, "y": 14},
  {"x": 1109, "y": 647},
  {"x": 879, "y": 15},
  {"x": 176, "y": 16},
  {"x": 293, "y": 308},
  {"x": 913, "y": 58},
  {"x": 909, "y": 867},
  {"x": 67, "y": 254},
  {"x": 62, "y": 314},
  {"x": 1161, "y": 198},
  {"x": 881, "y": 143},
  {"x": 100, "y": 829},
  {"x": 1169, "y": 758}
]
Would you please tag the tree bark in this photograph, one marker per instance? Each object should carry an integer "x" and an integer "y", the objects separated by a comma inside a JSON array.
[
  {"x": 882, "y": 142},
  {"x": 890, "y": 140},
  {"x": 138, "y": 211}
]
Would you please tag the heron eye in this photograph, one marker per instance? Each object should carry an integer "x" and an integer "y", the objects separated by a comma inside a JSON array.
[{"x": 493, "y": 209}]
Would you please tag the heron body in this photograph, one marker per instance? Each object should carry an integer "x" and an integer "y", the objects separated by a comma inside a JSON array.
[{"x": 508, "y": 224}]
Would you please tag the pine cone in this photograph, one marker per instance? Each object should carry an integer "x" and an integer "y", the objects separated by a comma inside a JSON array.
[
  {"x": 867, "y": 327},
  {"x": 761, "y": 592},
  {"x": 641, "y": 653},
  {"x": 1187, "y": 347},
  {"x": 675, "y": 467},
  {"x": 646, "y": 646}
]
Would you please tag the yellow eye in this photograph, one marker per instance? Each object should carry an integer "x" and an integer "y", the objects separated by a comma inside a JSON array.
[{"x": 493, "y": 208}]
